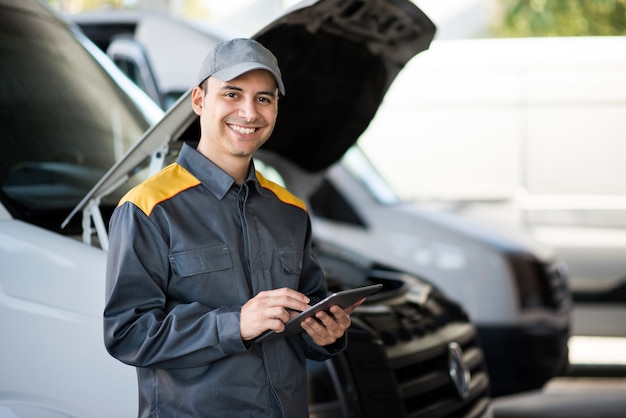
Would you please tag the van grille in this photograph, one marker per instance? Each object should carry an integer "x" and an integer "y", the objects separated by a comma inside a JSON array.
[{"x": 398, "y": 359}]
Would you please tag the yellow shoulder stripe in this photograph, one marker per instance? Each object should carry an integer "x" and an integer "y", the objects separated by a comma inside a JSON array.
[
  {"x": 167, "y": 183},
  {"x": 283, "y": 194}
]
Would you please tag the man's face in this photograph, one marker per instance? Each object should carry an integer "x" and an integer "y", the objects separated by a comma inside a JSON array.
[{"x": 237, "y": 116}]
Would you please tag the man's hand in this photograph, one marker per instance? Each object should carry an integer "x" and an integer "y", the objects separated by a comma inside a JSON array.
[
  {"x": 328, "y": 328},
  {"x": 270, "y": 309}
]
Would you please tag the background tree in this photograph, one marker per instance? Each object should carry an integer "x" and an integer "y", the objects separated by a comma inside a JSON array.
[{"x": 518, "y": 18}]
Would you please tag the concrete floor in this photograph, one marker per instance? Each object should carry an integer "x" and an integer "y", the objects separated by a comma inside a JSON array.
[
  {"x": 596, "y": 385},
  {"x": 566, "y": 398}
]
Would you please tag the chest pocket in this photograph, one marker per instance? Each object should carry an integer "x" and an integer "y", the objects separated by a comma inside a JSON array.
[
  {"x": 201, "y": 260},
  {"x": 290, "y": 261},
  {"x": 291, "y": 267},
  {"x": 205, "y": 275}
]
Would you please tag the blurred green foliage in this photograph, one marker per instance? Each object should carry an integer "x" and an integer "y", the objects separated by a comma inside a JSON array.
[
  {"x": 521, "y": 18},
  {"x": 74, "y": 6}
]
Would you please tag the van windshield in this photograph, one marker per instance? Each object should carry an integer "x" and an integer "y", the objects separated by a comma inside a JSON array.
[
  {"x": 361, "y": 168},
  {"x": 63, "y": 120}
]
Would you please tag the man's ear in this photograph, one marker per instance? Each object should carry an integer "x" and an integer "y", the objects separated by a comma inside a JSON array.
[{"x": 197, "y": 100}]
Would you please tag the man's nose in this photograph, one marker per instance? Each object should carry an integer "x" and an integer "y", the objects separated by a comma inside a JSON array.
[{"x": 248, "y": 110}]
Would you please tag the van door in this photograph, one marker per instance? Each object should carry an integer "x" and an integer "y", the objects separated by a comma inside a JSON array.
[{"x": 130, "y": 57}]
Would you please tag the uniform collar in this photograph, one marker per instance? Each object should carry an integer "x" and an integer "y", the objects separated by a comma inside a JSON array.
[{"x": 212, "y": 176}]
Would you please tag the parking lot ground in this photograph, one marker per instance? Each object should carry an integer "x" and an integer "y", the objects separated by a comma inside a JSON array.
[{"x": 566, "y": 397}]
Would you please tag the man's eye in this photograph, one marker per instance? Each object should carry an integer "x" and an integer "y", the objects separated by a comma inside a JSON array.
[
  {"x": 265, "y": 100},
  {"x": 231, "y": 94}
]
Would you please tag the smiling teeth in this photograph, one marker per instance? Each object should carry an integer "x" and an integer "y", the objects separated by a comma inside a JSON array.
[{"x": 243, "y": 130}]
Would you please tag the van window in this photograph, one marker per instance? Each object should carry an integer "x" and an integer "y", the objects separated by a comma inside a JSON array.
[{"x": 63, "y": 120}]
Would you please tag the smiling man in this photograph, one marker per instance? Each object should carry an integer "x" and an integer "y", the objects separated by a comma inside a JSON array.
[{"x": 207, "y": 255}]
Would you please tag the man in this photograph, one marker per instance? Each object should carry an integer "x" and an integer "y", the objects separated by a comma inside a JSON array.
[{"x": 207, "y": 255}]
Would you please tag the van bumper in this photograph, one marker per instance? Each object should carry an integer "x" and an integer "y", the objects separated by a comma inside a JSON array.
[{"x": 540, "y": 354}]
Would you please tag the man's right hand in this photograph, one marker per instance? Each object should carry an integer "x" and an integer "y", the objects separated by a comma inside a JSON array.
[{"x": 270, "y": 310}]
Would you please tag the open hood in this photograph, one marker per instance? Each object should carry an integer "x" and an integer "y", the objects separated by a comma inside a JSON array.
[{"x": 338, "y": 59}]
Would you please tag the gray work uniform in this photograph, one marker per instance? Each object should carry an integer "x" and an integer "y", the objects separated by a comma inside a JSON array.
[{"x": 188, "y": 247}]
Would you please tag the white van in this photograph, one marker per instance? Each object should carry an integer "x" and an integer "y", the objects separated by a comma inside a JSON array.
[
  {"x": 67, "y": 115},
  {"x": 521, "y": 133}
]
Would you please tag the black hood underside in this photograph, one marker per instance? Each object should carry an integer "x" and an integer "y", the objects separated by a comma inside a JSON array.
[{"x": 338, "y": 60}]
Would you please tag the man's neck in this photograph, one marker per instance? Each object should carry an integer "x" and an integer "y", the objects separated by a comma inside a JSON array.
[{"x": 235, "y": 166}]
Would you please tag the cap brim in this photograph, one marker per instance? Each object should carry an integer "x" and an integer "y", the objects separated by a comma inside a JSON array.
[{"x": 236, "y": 70}]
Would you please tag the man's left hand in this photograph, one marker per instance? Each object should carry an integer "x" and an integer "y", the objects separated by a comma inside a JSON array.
[{"x": 328, "y": 327}]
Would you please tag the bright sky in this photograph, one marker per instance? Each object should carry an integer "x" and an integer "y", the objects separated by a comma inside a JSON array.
[{"x": 465, "y": 17}]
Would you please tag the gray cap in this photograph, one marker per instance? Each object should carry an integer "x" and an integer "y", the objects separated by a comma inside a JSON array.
[{"x": 230, "y": 59}]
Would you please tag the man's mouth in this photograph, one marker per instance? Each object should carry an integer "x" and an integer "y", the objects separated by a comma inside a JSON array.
[{"x": 242, "y": 130}]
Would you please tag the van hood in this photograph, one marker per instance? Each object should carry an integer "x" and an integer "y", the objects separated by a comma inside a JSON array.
[{"x": 338, "y": 59}]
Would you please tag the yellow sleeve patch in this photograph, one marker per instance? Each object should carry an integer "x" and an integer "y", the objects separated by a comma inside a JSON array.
[
  {"x": 283, "y": 194},
  {"x": 167, "y": 183}
]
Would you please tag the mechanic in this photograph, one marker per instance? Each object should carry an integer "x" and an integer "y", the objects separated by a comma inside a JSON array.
[{"x": 207, "y": 255}]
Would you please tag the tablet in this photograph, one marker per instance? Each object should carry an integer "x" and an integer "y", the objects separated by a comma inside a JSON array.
[{"x": 343, "y": 299}]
